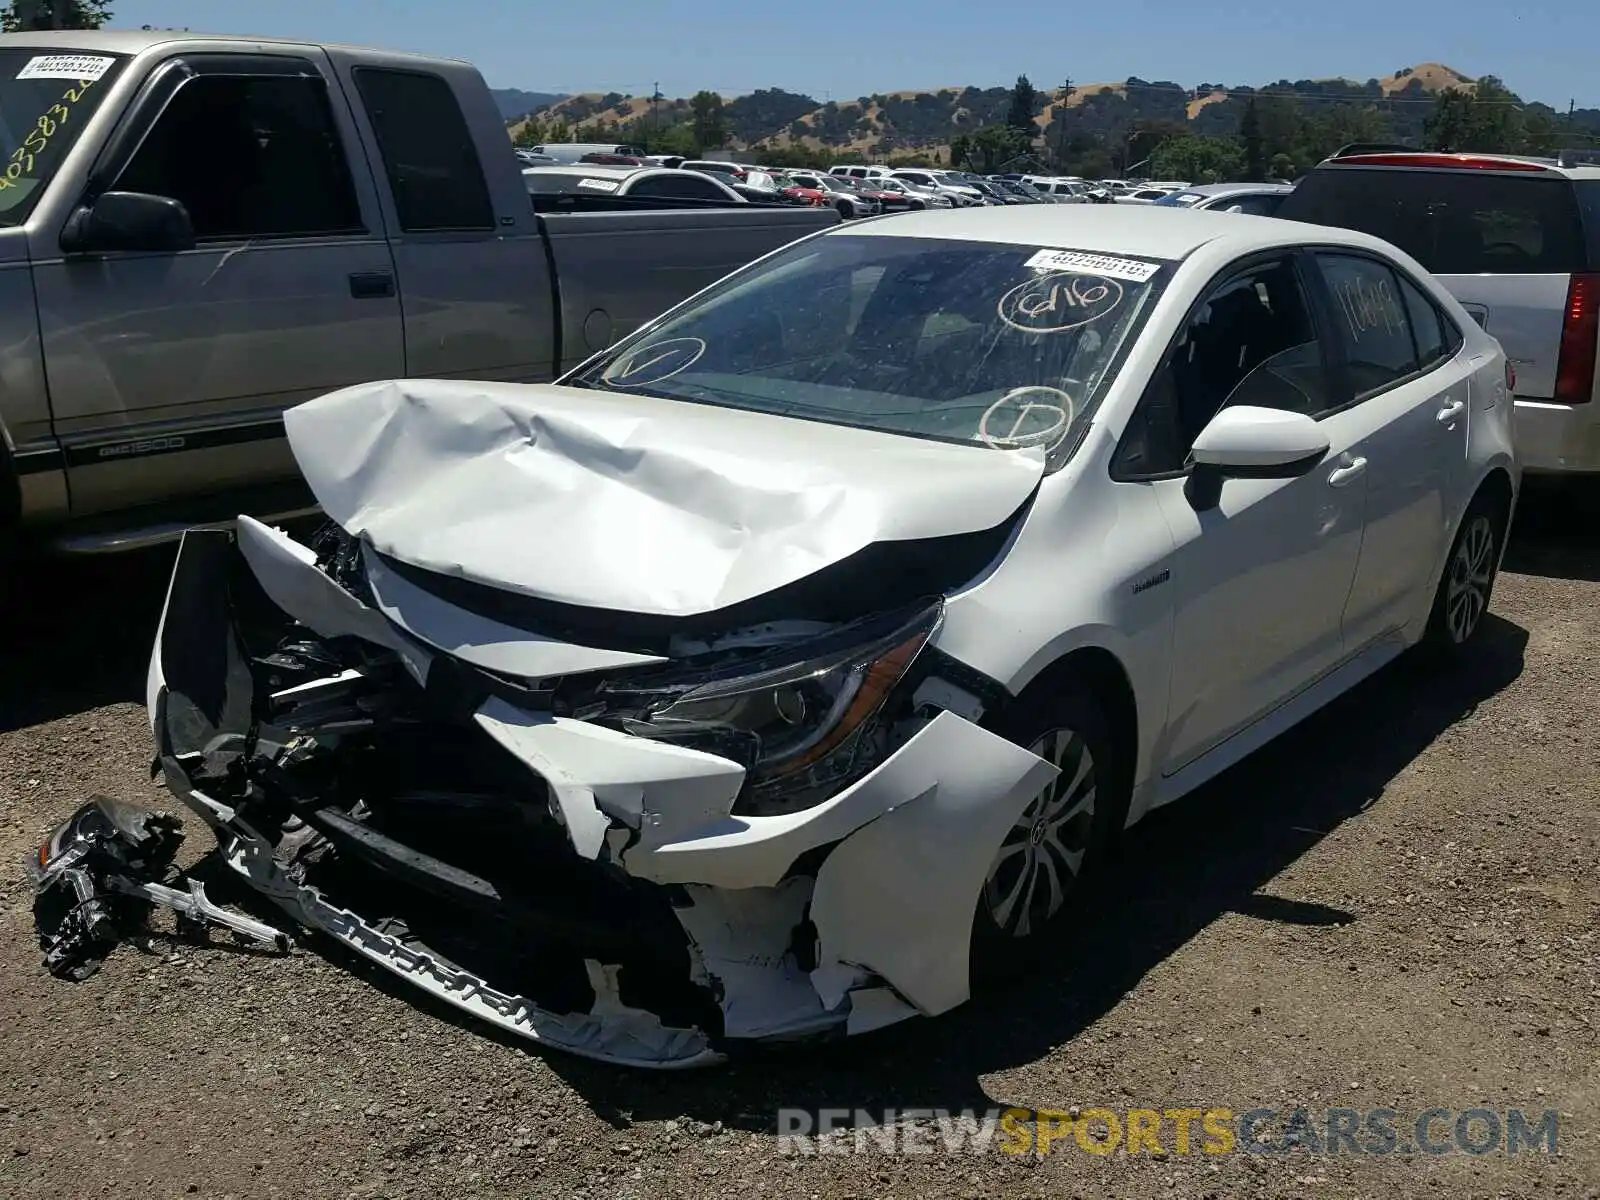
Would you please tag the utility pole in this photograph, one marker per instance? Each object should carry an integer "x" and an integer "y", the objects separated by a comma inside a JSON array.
[{"x": 655, "y": 119}]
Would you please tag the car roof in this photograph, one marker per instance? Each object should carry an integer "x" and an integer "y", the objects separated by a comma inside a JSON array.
[
  {"x": 1356, "y": 159},
  {"x": 1228, "y": 189},
  {"x": 1141, "y": 230},
  {"x": 601, "y": 169}
]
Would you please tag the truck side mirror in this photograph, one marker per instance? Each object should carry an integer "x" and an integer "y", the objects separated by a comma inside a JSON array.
[{"x": 135, "y": 221}]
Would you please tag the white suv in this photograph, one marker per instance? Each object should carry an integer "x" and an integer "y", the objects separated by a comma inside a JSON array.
[{"x": 1517, "y": 241}]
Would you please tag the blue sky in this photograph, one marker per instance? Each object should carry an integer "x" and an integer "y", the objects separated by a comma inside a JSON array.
[{"x": 1544, "y": 50}]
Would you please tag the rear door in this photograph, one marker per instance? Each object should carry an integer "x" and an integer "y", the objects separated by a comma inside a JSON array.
[
  {"x": 168, "y": 372},
  {"x": 1406, "y": 423},
  {"x": 475, "y": 284}
]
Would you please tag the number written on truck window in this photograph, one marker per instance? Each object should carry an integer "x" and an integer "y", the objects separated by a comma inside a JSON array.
[
  {"x": 43, "y": 111},
  {"x": 37, "y": 140}
]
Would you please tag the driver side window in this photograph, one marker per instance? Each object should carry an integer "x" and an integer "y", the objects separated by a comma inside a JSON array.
[{"x": 1250, "y": 341}]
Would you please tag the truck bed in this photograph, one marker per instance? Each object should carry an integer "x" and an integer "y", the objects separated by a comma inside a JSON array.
[{"x": 617, "y": 270}]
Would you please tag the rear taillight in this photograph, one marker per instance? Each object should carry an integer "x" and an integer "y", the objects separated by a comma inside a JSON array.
[{"x": 1580, "y": 331}]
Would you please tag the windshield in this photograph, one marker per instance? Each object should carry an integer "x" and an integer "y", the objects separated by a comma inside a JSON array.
[
  {"x": 559, "y": 183},
  {"x": 1006, "y": 345},
  {"x": 46, "y": 98}
]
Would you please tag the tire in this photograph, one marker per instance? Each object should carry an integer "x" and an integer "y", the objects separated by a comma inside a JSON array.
[
  {"x": 1044, "y": 865},
  {"x": 918, "y": 206},
  {"x": 845, "y": 211},
  {"x": 1466, "y": 584}
]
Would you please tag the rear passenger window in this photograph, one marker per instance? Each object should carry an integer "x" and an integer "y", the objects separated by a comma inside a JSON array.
[
  {"x": 427, "y": 149},
  {"x": 1371, "y": 321},
  {"x": 1427, "y": 325}
]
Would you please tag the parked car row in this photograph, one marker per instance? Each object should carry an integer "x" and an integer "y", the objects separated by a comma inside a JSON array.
[{"x": 1517, "y": 239}]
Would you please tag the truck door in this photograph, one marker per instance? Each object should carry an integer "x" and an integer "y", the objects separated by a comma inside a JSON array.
[
  {"x": 169, "y": 372},
  {"x": 475, "y": 281}
]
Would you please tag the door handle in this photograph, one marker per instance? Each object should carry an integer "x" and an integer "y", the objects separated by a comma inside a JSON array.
[
  {"x": 1353, "y": 469},
  {"x": 371, "y": 285},
  {"x": 1448, "y": 414}
]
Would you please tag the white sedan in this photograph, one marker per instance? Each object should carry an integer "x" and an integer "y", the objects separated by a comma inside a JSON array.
[{"x": 787, "y": 667}]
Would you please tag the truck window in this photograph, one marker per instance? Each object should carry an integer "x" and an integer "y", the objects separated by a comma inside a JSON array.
[
  {"x": 427, "y": 149},
  {"x": 249, "y": 157}
]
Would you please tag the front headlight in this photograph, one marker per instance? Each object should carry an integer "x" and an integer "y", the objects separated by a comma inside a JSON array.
[{"x": 805, "y": 721}]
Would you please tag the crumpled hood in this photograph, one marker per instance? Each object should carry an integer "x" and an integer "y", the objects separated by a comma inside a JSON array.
[{"x": 629, "y": 502}]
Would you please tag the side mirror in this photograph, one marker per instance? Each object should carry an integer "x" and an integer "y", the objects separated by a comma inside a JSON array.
[
  {"x": 1246, "y": 442},
  {"x": 1260, "y": 443},
  {"x": 129, "y": 221}
]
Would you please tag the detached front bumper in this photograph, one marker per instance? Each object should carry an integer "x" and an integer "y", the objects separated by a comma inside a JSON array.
[{"x": 579, "y": 886}]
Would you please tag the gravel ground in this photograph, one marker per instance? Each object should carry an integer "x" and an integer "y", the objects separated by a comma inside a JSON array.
[{"x": 1394, "y": 906}]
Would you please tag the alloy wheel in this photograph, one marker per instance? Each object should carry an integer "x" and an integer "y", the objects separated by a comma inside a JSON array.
[
  {"x": 1471, "y": 573},
  {"x": 1042, "y": 853}
]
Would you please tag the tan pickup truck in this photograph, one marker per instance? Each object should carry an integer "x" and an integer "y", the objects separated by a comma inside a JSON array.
[{"x": 197, "y": 232}]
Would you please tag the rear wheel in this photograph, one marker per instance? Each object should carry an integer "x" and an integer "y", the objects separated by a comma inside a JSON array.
[
  {"x": 1058, "y": 841},
  {"x": 1467, "y": 584}
]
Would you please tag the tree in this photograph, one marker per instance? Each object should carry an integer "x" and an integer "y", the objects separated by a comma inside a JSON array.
[
  {"x": 1255, "y": 151},
  {"x": 988, "y": 150},
  {"x": 1197, "y": 159},
  {"x": 1488, "y": 117},
  {"x": 1024, "y": 101},
  {"x": 709, "y": 128},
  {"x": 1141, "y": 140},
  {"x": 24, "y": 15}
]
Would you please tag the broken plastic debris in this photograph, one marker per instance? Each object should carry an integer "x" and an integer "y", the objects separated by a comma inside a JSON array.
[{"x": 97, "y": 877}]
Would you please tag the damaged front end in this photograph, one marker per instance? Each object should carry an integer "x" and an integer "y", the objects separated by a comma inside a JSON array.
[{"x": 645, "y": 854}]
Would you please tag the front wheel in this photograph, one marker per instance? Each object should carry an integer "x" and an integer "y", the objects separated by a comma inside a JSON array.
[
  {"x": 1059, "y": 838},
  {"x": 1467, "y": 583},
  {"x": 845, "y": 211}
]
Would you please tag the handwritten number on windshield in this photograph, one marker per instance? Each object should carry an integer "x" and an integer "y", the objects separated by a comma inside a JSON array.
[
  {"x": 1059, "y": 301},
  {"x": 52, "y": 119}
]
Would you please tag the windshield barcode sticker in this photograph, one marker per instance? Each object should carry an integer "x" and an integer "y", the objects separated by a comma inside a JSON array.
[
  {"x": 1103, "y": 265},
  {"x": 66, "y": 66},
  {"x": 599, "y": 185}
]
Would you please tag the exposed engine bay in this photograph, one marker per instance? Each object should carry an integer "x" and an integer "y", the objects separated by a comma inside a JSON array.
[{"x": 649, "y": 864}]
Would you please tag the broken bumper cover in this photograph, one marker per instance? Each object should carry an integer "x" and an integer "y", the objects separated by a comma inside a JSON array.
[{"x": 612, "y": 904}]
